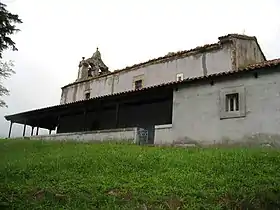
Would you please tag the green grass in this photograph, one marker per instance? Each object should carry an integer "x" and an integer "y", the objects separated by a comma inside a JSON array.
[{"x": 57, "y": 175}]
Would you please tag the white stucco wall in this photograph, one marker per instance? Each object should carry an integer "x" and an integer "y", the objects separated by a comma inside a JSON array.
[
  {"x": 192, "y": 66},
  {"x": 196, "y": 111},
  {"x": 163, "y": 134},
  {"x": 238, "y": 54}
]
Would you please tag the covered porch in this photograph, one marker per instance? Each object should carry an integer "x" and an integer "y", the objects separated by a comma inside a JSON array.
[{"x": 143, "y": 109}]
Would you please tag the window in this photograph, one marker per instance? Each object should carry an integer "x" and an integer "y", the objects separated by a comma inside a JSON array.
[
  {"x": 87, "y": 95},
  {"x": 232, "y": 102},
  {"x": 138, "y": 84},
  {"x": 179, "y": 77}
]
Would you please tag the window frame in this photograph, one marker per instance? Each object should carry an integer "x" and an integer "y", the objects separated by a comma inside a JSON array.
[
  {"x": 240, "y": 90},
  {"x": 140, "y": 83},
  {"x": 137, "y": 78},
  {"x": 179, "y": 75},
  {"x": 87, "y": 93},
  {"x": 232, "y": 102}
]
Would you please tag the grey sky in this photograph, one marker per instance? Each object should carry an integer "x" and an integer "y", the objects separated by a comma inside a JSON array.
[{"x": 57, "y": 33}]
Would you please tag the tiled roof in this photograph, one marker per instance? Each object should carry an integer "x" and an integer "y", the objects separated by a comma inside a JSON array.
[
  {"x": 174, "y": 56},
  {"x": 238, "y": 36},
  {"x": 266, "y": 64}
]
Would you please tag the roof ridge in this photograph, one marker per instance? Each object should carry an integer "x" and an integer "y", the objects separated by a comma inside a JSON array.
[
  {"x": 262, "y": 64},
  {"x": 238, "y": 36},
  {"x": 171, "y": 56}
]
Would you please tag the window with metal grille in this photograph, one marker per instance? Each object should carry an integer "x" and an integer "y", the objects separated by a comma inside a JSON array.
[{"x": 232, "y": 102}]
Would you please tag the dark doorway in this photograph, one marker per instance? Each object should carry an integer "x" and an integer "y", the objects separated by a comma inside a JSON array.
[{"x": 151, "y": 134}]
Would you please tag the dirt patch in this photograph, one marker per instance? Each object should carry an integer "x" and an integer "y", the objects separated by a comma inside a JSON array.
[
  {"x": 42, "y": 194},
  {"x": 174, "y": 203},
  {"x": 126, "y": 196}
]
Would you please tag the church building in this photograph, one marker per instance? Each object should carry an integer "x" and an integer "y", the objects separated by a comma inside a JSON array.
[{"x": 225, "y": 91}]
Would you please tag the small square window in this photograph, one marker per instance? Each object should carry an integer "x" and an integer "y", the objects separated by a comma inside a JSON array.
[
  {"x": 87, "y": 95},
  {"x": 138, "y": 84},
  {"x": 179, "y": 77},
  {"x": 232, "y": 102}
]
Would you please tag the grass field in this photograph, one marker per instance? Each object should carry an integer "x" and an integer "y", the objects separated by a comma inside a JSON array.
[{"x": 56, "y": 175}]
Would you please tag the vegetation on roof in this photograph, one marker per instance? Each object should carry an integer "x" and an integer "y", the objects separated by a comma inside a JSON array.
[
  {"x": 166, "y": 58},
  {"x": 59, "y": 175}
]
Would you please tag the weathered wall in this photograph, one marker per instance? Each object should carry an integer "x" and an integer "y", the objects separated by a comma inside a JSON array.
[
  {"x": 127, "y": 134},
  {"x": 77, "y": 92},
  {"x": 196, "y": 111},
  {"x": 192, "y": 66},
  {"x": 232, "y": 55},
  {"x": 247, "y": 52},
  {"x": 163, "y": 134}
]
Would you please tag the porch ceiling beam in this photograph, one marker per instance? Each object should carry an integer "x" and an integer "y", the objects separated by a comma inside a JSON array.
[{"x": 48, "y": 117}]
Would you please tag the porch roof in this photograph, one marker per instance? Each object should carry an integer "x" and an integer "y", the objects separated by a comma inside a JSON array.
[{"x": 48, "y": 117}]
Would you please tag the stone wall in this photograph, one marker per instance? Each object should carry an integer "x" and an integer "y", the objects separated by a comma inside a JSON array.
[
  {"x": 247, "y": 52},
  {"x": 124, "y": 134}
]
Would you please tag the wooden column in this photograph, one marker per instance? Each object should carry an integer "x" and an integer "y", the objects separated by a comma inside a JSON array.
[
  {"x": 85, "y": 121},
  {"x": 58, "y": 121},
  {"x": 10, "y": 130},
  {"x": 32, "y": 129},
  {"x": 37, "y": 131},
  {"x": 117, "y": 115},
  {"x": 24, "y": 129}
]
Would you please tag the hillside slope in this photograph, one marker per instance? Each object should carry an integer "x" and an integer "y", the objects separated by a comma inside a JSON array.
[{"x": 56, "y": 175}]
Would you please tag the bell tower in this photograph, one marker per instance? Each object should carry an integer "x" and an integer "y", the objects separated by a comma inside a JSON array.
[{"x": 90, "y": 67}]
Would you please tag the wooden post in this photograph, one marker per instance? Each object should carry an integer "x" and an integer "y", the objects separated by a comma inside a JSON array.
[
  {"x": 32, "y": 129},
  {"x": 50, "y": 131},
  {"x": 117, "y": 115},
  {"x": 58, "y": 121},
  {"x": 24, "y": 129},
  {"x": 10, "y": 130},
  {"x": 85, "y": 120},
  {"x": 37, "y": 131}
]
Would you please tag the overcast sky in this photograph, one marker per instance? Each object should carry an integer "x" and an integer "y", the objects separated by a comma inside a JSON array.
[{"x": 57, "y": 33}]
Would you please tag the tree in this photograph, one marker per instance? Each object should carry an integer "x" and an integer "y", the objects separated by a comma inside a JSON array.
[{"x": 8, "y": 23}]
